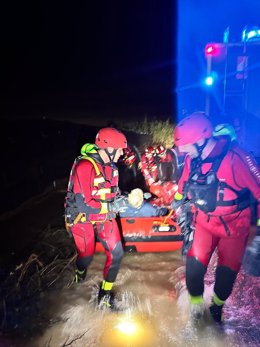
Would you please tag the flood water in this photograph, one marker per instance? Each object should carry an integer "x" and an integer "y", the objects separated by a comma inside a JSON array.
[
  {"x": 153, "y": 309},
  {"x": 152, "y": 301}
]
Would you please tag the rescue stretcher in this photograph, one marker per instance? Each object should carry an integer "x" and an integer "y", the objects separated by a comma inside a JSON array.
[{"x": 149, "y": 234}]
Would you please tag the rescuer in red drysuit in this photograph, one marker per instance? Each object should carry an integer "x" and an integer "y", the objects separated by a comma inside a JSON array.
[
  {"x": 165, "y": 185},
  {"x": 218, "y": 177},
  {"x": 167, "y": 164},
  {"x": 148, "y": 166},
  {"x": 93, "y": 186},
  {"x": 129, "y": 157},
  {"x": 158, "y": 168},
  {"x": 128, "y": 169}
]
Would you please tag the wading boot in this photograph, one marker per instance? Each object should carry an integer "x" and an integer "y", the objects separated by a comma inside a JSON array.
[
  {"x": 106, "y": 298},
  {"x": 197, "y": 308},
  {"x": 80, "y": 275},
  {"x": 216, "y": 312},
  {"x": 216, "y": 309},
  {"x": 197, "y": 311}
]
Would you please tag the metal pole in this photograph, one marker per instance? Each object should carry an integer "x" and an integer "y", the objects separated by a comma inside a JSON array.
[{"x": 207, "y": 101}]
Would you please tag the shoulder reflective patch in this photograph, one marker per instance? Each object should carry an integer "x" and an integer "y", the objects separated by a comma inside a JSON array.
[{"x": 252, "y": 167}]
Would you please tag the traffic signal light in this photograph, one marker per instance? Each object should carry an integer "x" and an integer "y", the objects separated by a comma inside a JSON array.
[
  {"x": 210, "y": 80},
  {"x": 216, "y": 51}
]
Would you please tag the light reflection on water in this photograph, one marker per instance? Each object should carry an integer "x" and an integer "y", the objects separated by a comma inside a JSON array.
[{"x": 155, "y": 311}]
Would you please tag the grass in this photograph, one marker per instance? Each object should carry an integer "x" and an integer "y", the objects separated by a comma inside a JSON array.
[{"x": 160, "y": 132}]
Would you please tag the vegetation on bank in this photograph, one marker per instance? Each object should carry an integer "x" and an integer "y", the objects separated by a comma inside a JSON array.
[
  {"x": 159, "y": 131},
  {"x": 24, "y": 291}
]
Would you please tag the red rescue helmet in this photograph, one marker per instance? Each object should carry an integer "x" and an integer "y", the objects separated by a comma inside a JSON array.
[
  {"x": 149, "y": 150},
  {"x": 160, "y": 150},
  {"x": 191, "y": 129},
  {"x": 110, "y": 137}
]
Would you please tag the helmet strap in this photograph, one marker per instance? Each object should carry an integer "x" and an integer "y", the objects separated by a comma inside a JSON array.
[
  {"x": 112, "y": 155},
  {"x": 201, "y": 148}
]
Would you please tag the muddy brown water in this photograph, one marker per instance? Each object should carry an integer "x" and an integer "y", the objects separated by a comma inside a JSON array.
[
  {"x": 152, "y": 297},
  {"x": 151, "y": 293}
]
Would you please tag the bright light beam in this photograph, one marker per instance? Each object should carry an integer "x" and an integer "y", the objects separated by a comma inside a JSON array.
[
  {"x": 209, "y": 81},
  {"x": 127, "y": 327}
]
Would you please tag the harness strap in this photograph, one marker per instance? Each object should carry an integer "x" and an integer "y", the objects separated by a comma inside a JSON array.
[
  {"x": 82, "y": 217},
  {"x": 71, "y": 181},
  {"x": 242, "y": 201},
  {"x": 94, "y": 164},
  {"x": 243, "y": 197},
  {"x": 221, "y": 191},
  {"x": 225, "y": 225}
]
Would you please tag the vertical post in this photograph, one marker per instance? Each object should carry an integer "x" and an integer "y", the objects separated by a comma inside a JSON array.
[
  {"x": 244, "y": 93},
  {"x": 207, "y": 102},
  {"x": 225, "y": 40}
]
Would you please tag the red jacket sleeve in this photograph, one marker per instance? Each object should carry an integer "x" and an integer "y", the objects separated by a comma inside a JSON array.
[
  {"x": 145, "y": 170},
  {"x": 247, "y": 173}
]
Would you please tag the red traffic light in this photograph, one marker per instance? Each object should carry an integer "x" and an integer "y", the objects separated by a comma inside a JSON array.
[
  {"x": 215, "y": 50},
  {"x": 210, "y": 49}
]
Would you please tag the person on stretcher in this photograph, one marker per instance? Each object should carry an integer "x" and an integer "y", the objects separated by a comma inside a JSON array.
[{"x": 135, "y": 205}]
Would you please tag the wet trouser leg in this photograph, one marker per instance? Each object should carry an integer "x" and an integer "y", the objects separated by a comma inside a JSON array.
[
  {"x": 195, "y": 272},
  {"x": 84, "y": 239},
  {"x": 225, "y": 279},
  {"x": 113, "y": 263},
  {"x": 198, "y": 258},
  {"x": 230, "y": 252},
  {"x": 82, "y": 263},
  {"x": 109, "y": 235}
]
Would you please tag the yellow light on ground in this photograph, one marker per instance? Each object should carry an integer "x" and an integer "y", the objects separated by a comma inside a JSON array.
[
  {"x": 127, "y": 330},
  {"x": 126, "y": 327}
]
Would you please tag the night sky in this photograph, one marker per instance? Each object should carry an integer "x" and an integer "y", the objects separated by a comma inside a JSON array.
[
  {"x": 69, "y": 57},
  {"x": 106, "y": 59}
]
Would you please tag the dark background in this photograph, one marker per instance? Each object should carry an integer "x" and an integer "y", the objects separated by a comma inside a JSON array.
[
  {"x": 91, "y": 63},
  {"x": 107, "y": 58},
  {"x": 77, "y": 62},
  {"x": 111, "y": 59}
]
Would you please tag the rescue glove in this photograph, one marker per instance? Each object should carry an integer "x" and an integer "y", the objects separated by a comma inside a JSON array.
[
  {"x": 176, "y": 204},
  {"x": 147, "y": 195},
  {"x": 120, "y": 204},
  {"x": 182, "y": 205}
]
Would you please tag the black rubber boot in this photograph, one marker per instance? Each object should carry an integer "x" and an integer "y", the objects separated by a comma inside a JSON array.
[
  {"x": 80, "y": 275},
  {"x": 106, "y": 299},
  {"x": 216, "y": 313}
]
